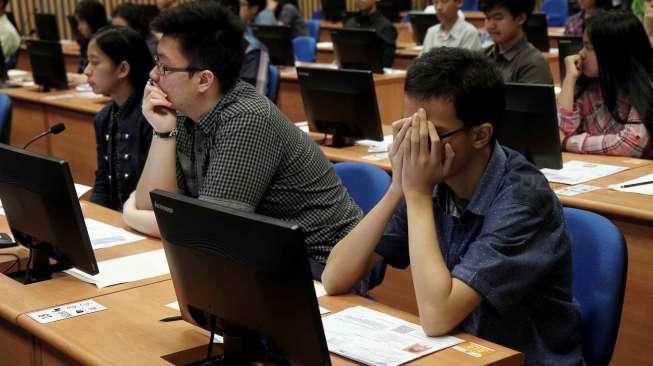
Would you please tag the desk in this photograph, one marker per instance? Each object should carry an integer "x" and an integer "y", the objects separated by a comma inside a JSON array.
[
  {"x": 130, "y": 332},
  {"x": 389, "y": 90},
  {"x": 71, "y": 55},
  {"x": 404, "y": 31}
]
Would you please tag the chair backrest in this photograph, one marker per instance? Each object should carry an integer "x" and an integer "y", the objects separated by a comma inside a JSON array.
[
  {"x": 556, "y": 12},
  {"x": 273, "y": 82},
  {"x": 314, "y": 29},
  {"x": 304, "y": 48},
  {"x": 470, "y": 5},
  {"x": 317, "y": 15},
  {"x": 365, "y": 183},
  {"x": 5, "y": 118},
  {"x": 599, "y": 266}
]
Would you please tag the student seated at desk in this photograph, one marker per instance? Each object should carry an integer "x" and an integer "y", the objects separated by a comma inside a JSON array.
[
  {"x": 119, "y": 63},
  {"x": 133, "y": 16},
  {"x": 9, "y": 37},
  {"x": 518, "y": 60},
  {"x": 91, "y": 17},
  {"x": 286, "y": 13},
  {"x": 576, "y": 23},
  {"x": 481, "y": 229},
  {"x": 257, "y": 59},
  {"x": 452, "y": 31},
  {"x": 370, "y": 18},
  {"x": 606, "y": 102},
  {"x": 230, "y": 145}
]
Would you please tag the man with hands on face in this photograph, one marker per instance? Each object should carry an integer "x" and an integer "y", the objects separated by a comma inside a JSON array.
[{"x": 478, "y": 224}]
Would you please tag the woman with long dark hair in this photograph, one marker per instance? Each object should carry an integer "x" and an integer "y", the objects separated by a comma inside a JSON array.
[
  {"x": 118, "y": 67},
  {"x": 606, "y": 102},
  {"x": 91, "y": 17}
]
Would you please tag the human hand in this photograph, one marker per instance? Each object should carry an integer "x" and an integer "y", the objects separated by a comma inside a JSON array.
[{"x": 157, "y": 109}]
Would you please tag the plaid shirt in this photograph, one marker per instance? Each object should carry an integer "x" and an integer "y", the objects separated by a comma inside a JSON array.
[
  {"x": 574, "y": 26},
  {"x": 591, "y": 128},
  {"x": 245, "y": 154}
]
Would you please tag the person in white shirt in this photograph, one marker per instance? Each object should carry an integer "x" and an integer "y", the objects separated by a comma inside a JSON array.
[
  {"x": 452, "y": 31},
  {"x": 8, "y": 34}
]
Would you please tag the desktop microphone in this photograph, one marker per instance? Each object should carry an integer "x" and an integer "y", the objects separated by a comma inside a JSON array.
[{"x": 52, "y": 130}]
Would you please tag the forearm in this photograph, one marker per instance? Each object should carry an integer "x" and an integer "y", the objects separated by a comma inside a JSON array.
[
  {"x": 159, "y": 171},
  {"x": 352, "y": 257},
  {"x": 566, "y": 97},
  {"x": 143, "y": 221}
]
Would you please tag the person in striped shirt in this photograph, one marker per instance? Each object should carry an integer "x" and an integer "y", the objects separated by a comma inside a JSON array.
[{"x": 606, "y": 102}]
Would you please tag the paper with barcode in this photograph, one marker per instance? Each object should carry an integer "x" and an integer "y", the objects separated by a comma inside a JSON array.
[
  {"x": 66, "y": 311},
  {"x": 375, "y": 338}
]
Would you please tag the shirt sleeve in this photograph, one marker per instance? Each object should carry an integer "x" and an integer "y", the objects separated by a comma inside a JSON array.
[
  {"x": 517, "y": 246},
  {"x": 242, "y": 163},
  {"x": 429, "y": 41},
  {"x": 535, "y": 72},
  {"x": 101, "y": 188},
  {"x": 393, "y": 246},
  {"x": 471, "y": 40}
]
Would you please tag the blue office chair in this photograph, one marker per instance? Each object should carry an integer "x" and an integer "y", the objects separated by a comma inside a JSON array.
[
  {"x": 273, "y": 83},
  {"x": 5, "y": 118},
  {"x": 556, "y": 12},
  {"x": 366, "y": 185},
  {"x": 469, "y": 5},
  {"x": 314, "y": 29},
  {"x": 304, "y": 48},
  {"x": 599, "y": 266}
]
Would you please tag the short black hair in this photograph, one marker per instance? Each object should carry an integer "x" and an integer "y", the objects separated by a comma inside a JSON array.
[
  {"x": 135, "y": 17},
  {"x": 3, "y": 4},
  {"x": 262, "y": 4},
  {"x": 93, "y": 13},
  {"x": 515, "y": 7},
  {"x": 211, "y": 37},
  {"x": 467, "y": 78},
  {"x": 125, "y": 44}
]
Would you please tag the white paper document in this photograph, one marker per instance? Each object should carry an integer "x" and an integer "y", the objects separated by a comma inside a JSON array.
[
  {"x": 319, "y": 289},
  {"x": 174, "y": 305},
  {"x": 642, "y": 189},
  {"x": 576, "y": 172},
  {"x": 376, "y": 146},
  {"x": 576, "y": 190},
  {"x": 375, "y": 338},
  {"x": 66, "y": 311},
  {"x": 104, "y": 235},
  {"x": 376, "y": 156},
  {"x": 126, "y": 269}
]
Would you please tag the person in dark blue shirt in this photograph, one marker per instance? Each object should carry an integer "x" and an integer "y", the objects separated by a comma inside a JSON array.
[
  {"x": 118, "y": 67},
  {"x": 481, "y": 229}
]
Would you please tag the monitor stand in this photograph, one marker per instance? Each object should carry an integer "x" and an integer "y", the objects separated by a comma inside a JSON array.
[
  {"x": 338, "y": 139},
  {"x": 241, "y": 351},
  {"x": 38, "y": 267}
]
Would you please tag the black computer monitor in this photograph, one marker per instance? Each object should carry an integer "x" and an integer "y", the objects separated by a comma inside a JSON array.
[
  {"x": 530, "y": 124},
  {"x": 567, "y": 46},
  {"x": 390, "y": 9},
  {"x": 42, "y": 209},
  {"x": 420, "y": 23},
  {"x": 278, "y": 40},
  {"x": 46, "y": 27},
  {"x": 537, "y": 31},
  {"x": 340, "y": 102},
  {"x": 359, "y": 49},
  {"x": 244, "y": 276},
  {"x": 334, "y": 10},
  {"x": 48, "y": 67}
]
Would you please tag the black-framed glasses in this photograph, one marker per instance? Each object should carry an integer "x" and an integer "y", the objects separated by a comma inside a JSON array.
[
  {"x": 450, "y": 133},
  {"x": 165, "y": 69}
]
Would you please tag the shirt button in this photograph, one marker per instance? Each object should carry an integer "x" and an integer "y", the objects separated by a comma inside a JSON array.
[
  {"x": 106, "y": 157},
  {"x": 126, "y": 175},
  {"x": 126, "y": 156},
  {"x": 109, "y": 176},
  {"x": 126, "y": 136},
  {"x": 106, "y": 137}
]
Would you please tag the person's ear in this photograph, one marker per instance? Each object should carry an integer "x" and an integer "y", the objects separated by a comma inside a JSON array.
[
  {"x": 206, "y": 80},
  {"x": 482, "y": 135},
  {"x": 521, "y": 18},
  {"x": 123, "y": 70}
]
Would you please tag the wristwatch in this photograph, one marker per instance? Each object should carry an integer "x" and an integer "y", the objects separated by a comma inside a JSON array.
[{"x": 165, "y": 135}]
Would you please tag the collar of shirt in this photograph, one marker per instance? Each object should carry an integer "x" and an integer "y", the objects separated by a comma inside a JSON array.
[
  {"x": 456, "y": 31},
  {"x": 513, "y": 51},
  {"x": 485, "y": 190},
  {"x": 117, "y": 112},
  {"x": 208, "y": 121}
]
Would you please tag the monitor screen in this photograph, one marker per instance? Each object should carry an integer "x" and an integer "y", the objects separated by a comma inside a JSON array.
[
  {"x": 48, "y": 68},
  {"x": 420, "y": 22},
  {"x": 244, "y": 276},
  {"x": 334, "y": 9},
  {"x": 278, "y": 40},
  {"x": 46, "y": 27},
  {"x": 43, "y": 212},
  {"x": 530, "y": 124},
  {"x": 340, "y": 102},
  {"x": 537, "y": 31},
  {"x": 359, "y": 49}
]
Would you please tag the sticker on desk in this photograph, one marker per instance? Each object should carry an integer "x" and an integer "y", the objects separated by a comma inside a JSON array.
[
  {"x": 473, "y": 349},
  {"x": 576, "y": 190},
  {"x": 66, "y": 311}
]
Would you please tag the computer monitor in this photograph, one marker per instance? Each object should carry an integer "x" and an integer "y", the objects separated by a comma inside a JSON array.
[
  {"x": 389, "y": 9},
  {"x": 537, "y": 31},
  {"x": 340, "y": 102},
  {"x": 420, "y": 22},
  {"x": 359, "y": 49},
  {"x": 567, "y": 46},
  {"x": 48, "y": 67},
  {"x": 334, "y": 10},
  {"x": 46, "y": 27},
  {"x": 42, "y": 209},
  {"x": 244, "y": 276},
  {"x": 530, "y": 124},
  {"x": 278, "y": 40}
]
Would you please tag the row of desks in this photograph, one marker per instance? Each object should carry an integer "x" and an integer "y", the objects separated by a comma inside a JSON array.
[
  {"x": 129, "y": 331},
  {"x": 33, "y": 111}
]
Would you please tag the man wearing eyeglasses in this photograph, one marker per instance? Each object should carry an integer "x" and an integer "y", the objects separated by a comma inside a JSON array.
[
  {"x": 479, "y": 225},
  {"x": 217, "y": 139}
]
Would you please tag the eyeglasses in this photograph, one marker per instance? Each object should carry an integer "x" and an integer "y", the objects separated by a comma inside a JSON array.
[
  {"x": 450, "y": 133},
  {"x": 165, "y": 69}
]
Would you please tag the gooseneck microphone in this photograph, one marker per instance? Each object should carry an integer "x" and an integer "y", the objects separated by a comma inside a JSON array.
[{"x": 52, "y": 130}]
